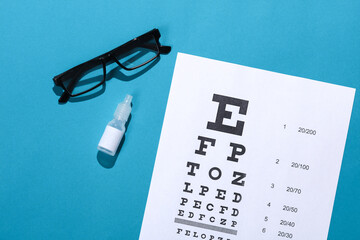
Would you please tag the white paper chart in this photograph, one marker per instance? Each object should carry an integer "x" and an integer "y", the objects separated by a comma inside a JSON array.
[{"x": 246, "y": 154}]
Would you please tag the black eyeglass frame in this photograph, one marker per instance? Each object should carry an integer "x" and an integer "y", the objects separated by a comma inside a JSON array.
[{"x": 105, "y": 59}]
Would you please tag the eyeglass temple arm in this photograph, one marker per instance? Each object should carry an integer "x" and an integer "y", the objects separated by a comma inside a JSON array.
[
  {"x": 165, "y": 49},
  {"x": 65, "y": 96},
  {"x": 162, "y": 50}
]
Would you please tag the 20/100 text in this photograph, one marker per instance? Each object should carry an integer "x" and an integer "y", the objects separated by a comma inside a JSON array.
[{"x": 300, "y": 166}]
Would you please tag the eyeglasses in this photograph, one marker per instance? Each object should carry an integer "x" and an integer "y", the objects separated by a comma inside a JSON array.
[{"x": 92, "y": 74}]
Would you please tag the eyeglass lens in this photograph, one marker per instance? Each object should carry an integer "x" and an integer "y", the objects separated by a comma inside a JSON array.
[
  {"x": 142, "y": 53},
  {"x": 83, "y": 81}
]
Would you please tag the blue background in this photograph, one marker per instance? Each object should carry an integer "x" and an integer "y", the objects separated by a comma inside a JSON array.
[{"x": 53, "y": 182}]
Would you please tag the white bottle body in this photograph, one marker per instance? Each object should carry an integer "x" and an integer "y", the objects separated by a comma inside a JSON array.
[{"x": 112, "y": 136}]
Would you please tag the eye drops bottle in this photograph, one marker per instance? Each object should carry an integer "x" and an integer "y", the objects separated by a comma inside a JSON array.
[{"x": 115, "y": 129}]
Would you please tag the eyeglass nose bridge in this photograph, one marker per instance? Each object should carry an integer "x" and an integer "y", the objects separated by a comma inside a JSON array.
[
  {"x": 103, "y": 62},
  {"x": 113, "y": 58}
]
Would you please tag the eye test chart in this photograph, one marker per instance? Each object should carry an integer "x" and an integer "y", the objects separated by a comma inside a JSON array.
[{"x": 246, "y": 154}]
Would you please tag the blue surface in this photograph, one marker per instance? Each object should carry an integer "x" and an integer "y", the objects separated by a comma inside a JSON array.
[{"x": 54, "y": 184}]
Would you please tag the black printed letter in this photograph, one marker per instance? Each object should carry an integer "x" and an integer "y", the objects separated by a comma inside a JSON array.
[
  {"x": 203, "y": 145},
  {"x": 222, "y": 113},
  {"x": 236, "y": 152},
  {"x": 240, "y": 176},
  {"x": 192, "y": 167}
]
